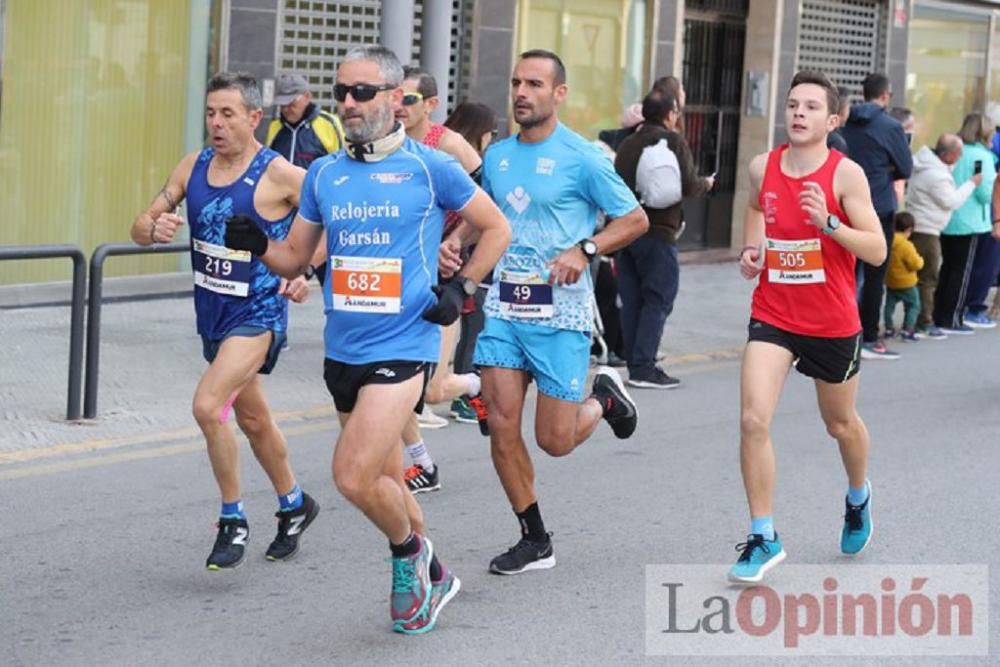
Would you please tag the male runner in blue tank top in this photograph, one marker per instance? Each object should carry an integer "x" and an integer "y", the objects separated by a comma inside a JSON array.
[
  {"x": 381, "y": 203},
  {"x": 241, "y": 306},
  {"x": 550, "y": 183}
]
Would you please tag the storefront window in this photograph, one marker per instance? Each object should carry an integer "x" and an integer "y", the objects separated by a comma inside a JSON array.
[
  {"x": 93, "y": 119},
  {"x": 604, "y": 45},
  {"x": 947, "y": 67}
]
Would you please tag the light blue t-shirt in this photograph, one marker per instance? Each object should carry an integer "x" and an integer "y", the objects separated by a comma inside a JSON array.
[
  {"x": 551, "y": 192},
  {"x": 383, "y": 223}
]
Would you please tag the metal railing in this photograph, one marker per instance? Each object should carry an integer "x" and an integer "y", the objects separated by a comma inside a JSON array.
[
  {"x": 76, "y": 310},
  {"x": 101, "y": 253}
]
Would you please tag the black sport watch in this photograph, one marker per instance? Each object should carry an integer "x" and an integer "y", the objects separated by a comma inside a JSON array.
[
  {"x": 588, "y": 247},
  {"x": 832, "y": 224}
]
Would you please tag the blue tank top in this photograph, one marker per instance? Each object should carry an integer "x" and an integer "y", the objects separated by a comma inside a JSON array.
[{"x": 232, "y": 288}]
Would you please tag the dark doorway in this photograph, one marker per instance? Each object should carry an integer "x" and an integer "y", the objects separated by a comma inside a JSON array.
[{"x": 714, "y": 36}]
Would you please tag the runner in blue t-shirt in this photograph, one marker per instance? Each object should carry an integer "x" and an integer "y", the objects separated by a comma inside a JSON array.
[
  {"x": 381, "y": 203},
  {"x": 550, "y": 183},
  {"x": 240, "y": 305}
]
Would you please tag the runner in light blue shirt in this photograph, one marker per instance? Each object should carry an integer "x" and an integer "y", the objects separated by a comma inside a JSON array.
[{"x": 550, "y": 182}]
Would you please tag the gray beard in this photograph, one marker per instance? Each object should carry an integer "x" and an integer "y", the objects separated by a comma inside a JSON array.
[{"x": 371, "y": 127}]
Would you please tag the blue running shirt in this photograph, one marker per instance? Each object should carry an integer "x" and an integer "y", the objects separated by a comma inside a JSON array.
[
  {"x": 232, "y": 288},
  {"x": 383, "y": 223},
  {"x": 551, "y": 193}
]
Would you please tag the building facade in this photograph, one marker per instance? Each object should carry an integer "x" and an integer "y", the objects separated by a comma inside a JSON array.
[{"x": 100, "y": 98}]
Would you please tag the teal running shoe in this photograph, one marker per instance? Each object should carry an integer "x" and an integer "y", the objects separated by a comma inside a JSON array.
[
  {"x": 411, "y": 584},
  {"x": 441, "y": 594},
  {"x": 757, "y": 556},
  {"x": 462, "y": 412},
  {"x": 857, "y": 531}
]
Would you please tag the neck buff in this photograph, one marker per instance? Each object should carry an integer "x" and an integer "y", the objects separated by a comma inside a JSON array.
[{"x": 379, "y": 149}]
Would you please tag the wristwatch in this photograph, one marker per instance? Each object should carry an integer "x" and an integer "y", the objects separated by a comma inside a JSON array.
[
  {"x": 588, "y": 247},
  {"x": 832, "y": 224},
  {"x": 469, "y": 286}
]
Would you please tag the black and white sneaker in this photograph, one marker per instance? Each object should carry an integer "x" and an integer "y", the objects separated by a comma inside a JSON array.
[
  {"x": 619, "y": 409},
  {"x": 655, "y": 379},
  {"x": 230, "y": 545},
  {"x": 524, "y": 556},
  {"x": 419, "y": 480},
  {"x": 291, "y": 525}
]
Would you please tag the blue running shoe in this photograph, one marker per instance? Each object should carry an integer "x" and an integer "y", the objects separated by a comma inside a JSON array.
[
  {"x": 857, "y": 531},
  {"x": 441, "y": 594},
  {"x": 757, "y": 557},
  {"x": 411, "y": 584}
]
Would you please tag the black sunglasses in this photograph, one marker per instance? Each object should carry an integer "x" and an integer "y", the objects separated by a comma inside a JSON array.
[{"x": 361, "y": 92}]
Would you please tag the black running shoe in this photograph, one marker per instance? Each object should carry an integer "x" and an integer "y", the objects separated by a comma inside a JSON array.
[
  {"x": 230, "y": 545},
  {"x": 523, "y": 556},
  {"x": 291, "y": 525},
  {"x": 418, "y": 480},
  {"x": 619, "y": 408}
]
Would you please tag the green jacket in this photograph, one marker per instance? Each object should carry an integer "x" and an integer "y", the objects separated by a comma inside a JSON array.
[{"x": 974, "y": 215}]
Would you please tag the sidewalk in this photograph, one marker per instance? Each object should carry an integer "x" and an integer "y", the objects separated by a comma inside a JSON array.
[{"x": 151, "y": 361}]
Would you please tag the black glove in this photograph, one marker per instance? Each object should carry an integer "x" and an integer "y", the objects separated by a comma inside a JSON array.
[
  {"x": 242, "y": 233},
  {"x": 451, "y": 297}
]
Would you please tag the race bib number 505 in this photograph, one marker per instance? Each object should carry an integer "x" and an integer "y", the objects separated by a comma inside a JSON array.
[
  {"x": 795, "y": 262},
  {"x": 366, "y": 284}
]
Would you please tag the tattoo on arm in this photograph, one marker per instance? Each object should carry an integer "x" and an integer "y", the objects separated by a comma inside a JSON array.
[{"x": 170, "y": 199}]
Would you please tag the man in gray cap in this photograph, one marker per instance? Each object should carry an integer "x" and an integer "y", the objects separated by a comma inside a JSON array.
[{"x": 302, "y": 133}]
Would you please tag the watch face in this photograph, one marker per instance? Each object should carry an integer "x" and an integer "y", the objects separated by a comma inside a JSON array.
[{"x": 590, "y": 248}]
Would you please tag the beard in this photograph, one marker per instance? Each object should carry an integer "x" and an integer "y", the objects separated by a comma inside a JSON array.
[
  {"x": 534, "y": 117},
  {"x": 367, "y": 127}
]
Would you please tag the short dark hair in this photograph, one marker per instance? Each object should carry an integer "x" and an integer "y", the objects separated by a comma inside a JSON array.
[
  {"x": 875, "y": 85},
  {"x": 426, "y": 83},
  {"x": 903, "y": 221},
  {"x": 670, "y": 85},
  {"x": 818, "y": 79},
  {"x": 244, "y": 82},
  {"x": 557, "y": 63},
  {"x": 656, "y": 106}
]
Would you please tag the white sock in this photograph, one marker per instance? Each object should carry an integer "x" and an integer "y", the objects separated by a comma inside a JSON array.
[
  {"x": 475, "y": 384},
  {"x": 419, "y": 456}
]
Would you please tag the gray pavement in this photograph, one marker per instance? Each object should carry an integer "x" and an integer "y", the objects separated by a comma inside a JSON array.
[{"x": 107, "y": 524}]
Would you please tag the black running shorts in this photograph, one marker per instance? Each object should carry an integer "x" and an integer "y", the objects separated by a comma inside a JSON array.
[
  {"x": 344, "y": 381},
  {"x": 833, "y": 360}
]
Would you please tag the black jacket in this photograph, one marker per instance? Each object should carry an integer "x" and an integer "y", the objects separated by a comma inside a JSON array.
[
  {"x": 664, "y": 223},
  {"x": 875, "y": 140}
]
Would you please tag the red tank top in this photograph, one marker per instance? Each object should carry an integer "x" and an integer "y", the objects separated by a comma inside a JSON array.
[
  {"x": 432, "y": 139},
  {"x": 808, "y": 284}
]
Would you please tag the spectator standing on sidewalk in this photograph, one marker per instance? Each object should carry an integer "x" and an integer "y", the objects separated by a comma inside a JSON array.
[
  {"x": 932, "y": 198},
  {"x": 901, "y": 280},
  {"x": 876, "y": 141},
  {"x": 969, "y": 225},
  {"x": 657, "y": 165}
]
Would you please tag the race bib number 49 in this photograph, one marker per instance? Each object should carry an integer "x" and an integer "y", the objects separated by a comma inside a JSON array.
[
  {"x": 221, "y": 270},
  {"x": 525, "y": 294},
  {"x": 366, "y": 284},
  {"x": 795, "y": 262}
]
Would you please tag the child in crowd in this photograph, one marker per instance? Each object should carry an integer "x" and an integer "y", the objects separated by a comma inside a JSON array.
[{"x": 901, "y": 279}]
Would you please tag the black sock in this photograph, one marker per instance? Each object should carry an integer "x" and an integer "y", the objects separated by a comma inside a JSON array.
[
  {"x": 532, "y": 527},
  {"x": 435, "y": 568},
  {"x": 410, "y": 546}
]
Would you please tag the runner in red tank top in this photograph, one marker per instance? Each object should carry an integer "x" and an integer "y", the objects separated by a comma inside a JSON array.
[
  {"x": 810, "y": 216},
  {"x": 420, "y": 99}
]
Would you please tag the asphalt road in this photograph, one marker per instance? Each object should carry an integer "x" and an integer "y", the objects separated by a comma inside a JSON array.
[{"x": 104, "y": 548}]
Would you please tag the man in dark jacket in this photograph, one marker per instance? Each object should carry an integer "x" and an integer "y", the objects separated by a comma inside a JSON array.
[
  {"x": 876, "y": 141},
  {"x": 648, "y": 269}
]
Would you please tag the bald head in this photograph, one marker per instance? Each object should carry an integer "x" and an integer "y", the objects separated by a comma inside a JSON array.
[{"x": 949, "y": 148}]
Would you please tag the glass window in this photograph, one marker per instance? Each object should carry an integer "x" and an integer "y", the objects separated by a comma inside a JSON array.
[
  {"x": 947, "y": 67},
  {"x": 94, "y": 97},
  {"x": 603, "y": 44}
]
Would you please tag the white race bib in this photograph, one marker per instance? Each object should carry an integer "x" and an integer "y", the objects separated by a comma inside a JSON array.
[{"x": 221, "y": 270}]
